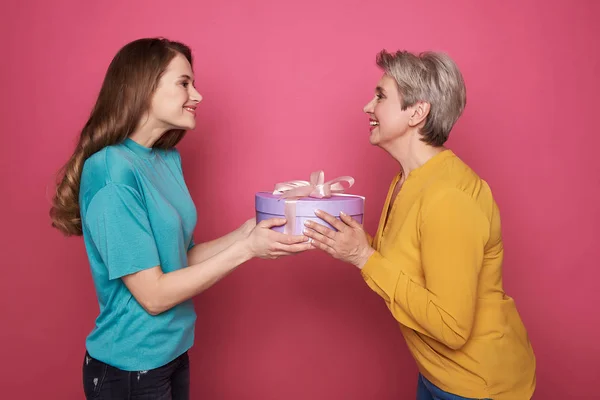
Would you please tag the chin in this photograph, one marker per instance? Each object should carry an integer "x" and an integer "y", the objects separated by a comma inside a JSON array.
[{"x": 186, "y": 127}]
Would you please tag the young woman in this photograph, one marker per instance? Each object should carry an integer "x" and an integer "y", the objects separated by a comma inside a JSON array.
[
  {"x": 123, "y": 190},
  {"x": 436, "y": 259}
]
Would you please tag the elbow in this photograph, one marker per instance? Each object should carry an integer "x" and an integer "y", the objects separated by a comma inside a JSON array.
[
  {"x": 153, "y": 307},
  {"x": 455, "y": 339},
  {"x": 145, "y": 287},
  {"x": 154, "y": 311},
  {"x": 455, "y": 343}
]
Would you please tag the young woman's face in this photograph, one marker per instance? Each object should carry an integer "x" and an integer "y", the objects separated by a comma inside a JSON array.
[{"x": 175, "y": 99}]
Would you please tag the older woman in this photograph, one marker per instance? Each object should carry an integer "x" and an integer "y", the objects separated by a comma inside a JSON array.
[{"x": 436, "y": 258}]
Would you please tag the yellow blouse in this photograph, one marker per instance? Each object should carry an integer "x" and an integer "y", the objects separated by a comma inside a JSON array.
[{"x": 438, "y": 266}]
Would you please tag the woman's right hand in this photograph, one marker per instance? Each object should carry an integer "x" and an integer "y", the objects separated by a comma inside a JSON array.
[{"x": 263, "y": 242}]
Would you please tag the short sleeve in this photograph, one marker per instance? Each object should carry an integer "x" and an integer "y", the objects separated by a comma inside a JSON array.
[{"x": 118, "y": 225}]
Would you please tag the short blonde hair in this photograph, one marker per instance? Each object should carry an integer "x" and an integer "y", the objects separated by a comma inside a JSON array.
[{"x": 433, "y": 78}]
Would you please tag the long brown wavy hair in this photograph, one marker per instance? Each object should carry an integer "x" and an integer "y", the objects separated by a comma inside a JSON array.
[{"x": 124, "y": 98}]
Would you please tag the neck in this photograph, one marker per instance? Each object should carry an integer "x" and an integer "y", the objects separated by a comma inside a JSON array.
[
  {"x": 147, "y": 133},
  {"x": 412, "y": 153}
]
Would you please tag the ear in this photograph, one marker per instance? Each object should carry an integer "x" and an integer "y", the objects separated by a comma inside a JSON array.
[{"x": 420, "y": 113}]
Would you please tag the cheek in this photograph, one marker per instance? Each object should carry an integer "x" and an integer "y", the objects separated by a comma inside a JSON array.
[
  {"x": 391, "y": 120},
  {"x": 163, "y": 108},
  {"x": 168, "y": 104},
  {"x": 382, "y": 114},
  {"x": 171, "y": 99}
]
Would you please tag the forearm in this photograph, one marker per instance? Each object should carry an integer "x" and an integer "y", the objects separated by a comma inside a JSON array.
[
  {"x": 415, "y": 306},
  {"x": 203, "y": 251},
  {"x": 441, "y": 302},
  {"x": 175, "y": 287}
]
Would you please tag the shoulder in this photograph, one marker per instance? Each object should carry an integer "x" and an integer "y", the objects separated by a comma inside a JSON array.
[
  {"x": 451, "y": 211},
  {"x": 458, "y": 189},
  {"x": 455, "y": 176},
  {"x": 111, "y": 165}
]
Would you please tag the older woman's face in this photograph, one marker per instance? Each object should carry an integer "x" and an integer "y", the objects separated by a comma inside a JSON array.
[{"x": 387, "y": 119}]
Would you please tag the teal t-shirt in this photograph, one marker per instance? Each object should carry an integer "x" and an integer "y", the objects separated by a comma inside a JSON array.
[{"x": 136, "y": 213}]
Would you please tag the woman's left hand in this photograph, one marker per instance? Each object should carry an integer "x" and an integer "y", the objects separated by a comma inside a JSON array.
[
  {"x": 246, "y": 228},
  {"x": 349, "y": 243}
]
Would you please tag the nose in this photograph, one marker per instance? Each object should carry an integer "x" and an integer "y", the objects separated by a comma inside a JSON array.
[
  {"x": 369, "y": 107},
  {"x": 195, "y": 95}
]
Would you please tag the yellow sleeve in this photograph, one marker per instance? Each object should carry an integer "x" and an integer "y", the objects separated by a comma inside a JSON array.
[{"x": 454, "y": 232}]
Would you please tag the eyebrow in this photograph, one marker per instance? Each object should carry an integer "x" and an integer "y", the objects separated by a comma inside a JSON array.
[
  {"x": 380, "y": 89},
  {"x": 186, "y": 76}
]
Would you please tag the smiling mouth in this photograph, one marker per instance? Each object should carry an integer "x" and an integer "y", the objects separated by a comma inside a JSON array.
[
  {"x": 373, "y": 124},
  {"x": 190, "y": 109}
]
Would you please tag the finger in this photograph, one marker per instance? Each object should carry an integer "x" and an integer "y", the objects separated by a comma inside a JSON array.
[
  {"x": 271, "y": 222},
  {"x": 295, "y": 239},
  {"x": 322, "y": 229},
  {"x": 295, "y": 248},
  {"x": 348, "y": 220},
  {"x": 322, "y": 246},
  {"x": 287, "y": 239},
  {"x": 293, "y": 252},
  {"x": 336, "y": 223},
  {"x": 318, "y": 237}
]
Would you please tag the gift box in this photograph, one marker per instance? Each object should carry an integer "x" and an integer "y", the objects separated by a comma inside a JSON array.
[{"x": 296, "y": 201}]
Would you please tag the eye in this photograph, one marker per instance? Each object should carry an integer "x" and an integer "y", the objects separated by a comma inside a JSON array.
[
  {"x": 379, "y": 96},
  {"x": 185, "y": 84}
]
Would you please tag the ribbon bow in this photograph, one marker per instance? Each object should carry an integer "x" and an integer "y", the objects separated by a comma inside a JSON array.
[{"x": 317, "y": 187}]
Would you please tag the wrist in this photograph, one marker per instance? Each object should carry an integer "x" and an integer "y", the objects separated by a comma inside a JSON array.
[
  {"x": 245, "y": 246},
  {"x": 366, "y": 254},
  {"x": 243, "y": 231},
  {"x": 238, "y": 234}
]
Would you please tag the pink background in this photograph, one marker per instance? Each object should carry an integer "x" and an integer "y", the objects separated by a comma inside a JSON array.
[{"x": 284, "y": 84}]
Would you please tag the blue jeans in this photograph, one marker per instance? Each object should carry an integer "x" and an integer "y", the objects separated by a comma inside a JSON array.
[
  {"x": 428, "y": 391},
  {"x": 169, "y": 382}
]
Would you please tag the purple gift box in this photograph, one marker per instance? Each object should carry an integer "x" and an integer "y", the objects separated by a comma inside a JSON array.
[{"x": 296, "y": 201}]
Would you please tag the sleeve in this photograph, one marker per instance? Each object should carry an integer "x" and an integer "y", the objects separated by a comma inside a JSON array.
[
  {"x": 117, "y": 221},
  {"x": 192, "y": 243},
  {"x": 453, "y": 236}
]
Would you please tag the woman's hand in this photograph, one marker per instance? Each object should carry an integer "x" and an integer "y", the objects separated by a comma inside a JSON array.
[
  {"x": 263, "y": 242},
  {"x": 246, "y": 228},
  {"x": 348, "y": 244}
]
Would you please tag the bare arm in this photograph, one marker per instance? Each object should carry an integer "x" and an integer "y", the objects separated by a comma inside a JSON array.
[
  {"x": 118, "y": 224},
  {"x": 203, "y": 251},
  {"x": 157, "y": 291}
]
